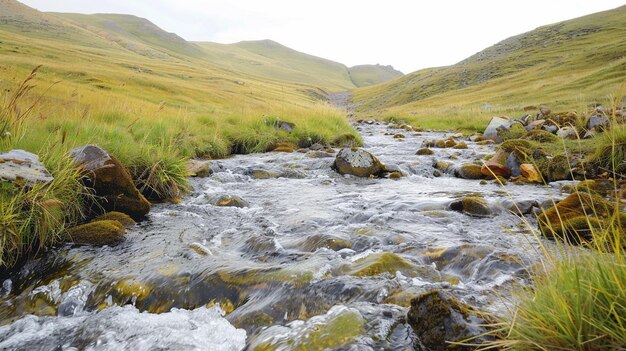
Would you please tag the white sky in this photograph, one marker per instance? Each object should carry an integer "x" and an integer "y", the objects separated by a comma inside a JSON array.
[{"x": 408, "y": 34}]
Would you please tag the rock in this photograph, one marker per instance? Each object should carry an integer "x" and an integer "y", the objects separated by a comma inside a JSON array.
[
  {"x": 567, "y": 133},
  {"x": 469, "y": 171},
  {"x": 111, "y": 182},
  {"x": 515, "y": 131},
  {"x": 229, "y": 201},
  {"x": 284, "y": 147},
  {"x": 379, "y": 263},
  {"x": 199, "y": 168},
  {"x": 513, "y": 165},
  {"x": 472, "y": 206},
  {"x": 319, "y": 154},
  {"x": 534, "y": 125},
  {"x": 317, "y": 241},
  {"x": 553, "y": 221},
  {"x": 476, "y": 137},
  {"x": 424, "y": 151},
  {"x": 102, "y": 232},
  {"x": 23, "y": 168},
  {"x": 123, "y": 218},
  {"x": 530, "y": 173},
  {"x": 291, "y": 174},
  {"x": 545, "y": 111},
  {"x": 550, "y": 128},
  {"x": 358, "y": 162},
  {"x": 399, "y": 136},
  {"x": 286, "y": 126},
  {"x": 460, "y": 146},
  {"x": 437, "y": 318},
  {"x": 598, "y": 122},
  {"x": 495, "y": 166},
  {"x": 395, "y": 175},
  {"x": 443, "y": 166},
  {"x": 261, "y": 174},
  {"x": 491, "y": 132},
  {"x": 520, "y": 208},
  {"x": 556, "y": 168}
]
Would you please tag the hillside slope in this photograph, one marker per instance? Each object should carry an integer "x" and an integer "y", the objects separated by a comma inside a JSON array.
[
  {"x": 134, "y": 33},
  {"x": 366, "y": 75},
  {"x": 557, "y": 64},
  {"x": 315, "y": 67}
]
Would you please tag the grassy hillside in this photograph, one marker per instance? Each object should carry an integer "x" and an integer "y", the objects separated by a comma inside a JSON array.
[
  {"x": 314, "y": 67},
  {"x": 146, "y": 108},
  {"x": 366, "y": 75},
  {"x": 564, "y": 65},
  {"x": 134, "y": 33}
]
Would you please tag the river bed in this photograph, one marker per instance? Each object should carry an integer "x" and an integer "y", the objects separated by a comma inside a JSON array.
[{"x": 312, "y": 260}]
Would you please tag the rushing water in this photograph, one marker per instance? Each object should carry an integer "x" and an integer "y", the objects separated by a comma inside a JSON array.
[{"x": 314, "y": 260}]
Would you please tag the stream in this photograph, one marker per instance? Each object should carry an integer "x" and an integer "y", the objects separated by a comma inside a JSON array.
[{"x": 312, "y": 260}]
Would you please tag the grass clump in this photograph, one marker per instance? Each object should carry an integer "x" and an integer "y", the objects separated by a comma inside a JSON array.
[
  {"x": 579, "y": 304},
  {"x": 610, "y": 152}
]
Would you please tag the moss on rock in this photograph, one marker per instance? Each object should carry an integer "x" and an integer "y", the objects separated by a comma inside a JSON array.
[
  {"x": 469, "y": 171},
  {"x": 123, "y": 218},
  {"x": 552, "y": 221},
  {"x": 437, "y": 318},
  {"x": 103, "y": 232},
  {"x": 424, "y": 152}
]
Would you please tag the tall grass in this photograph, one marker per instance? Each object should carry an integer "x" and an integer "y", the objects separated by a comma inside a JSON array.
[{"x": 34, "y": 216}]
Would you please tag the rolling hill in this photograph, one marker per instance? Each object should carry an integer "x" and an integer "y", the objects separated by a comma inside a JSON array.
[
  {"x": 564, "y": 65},
  {"x": 366, "y": 75}
]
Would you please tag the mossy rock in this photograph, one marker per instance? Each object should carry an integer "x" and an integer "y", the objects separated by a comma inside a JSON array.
[
  {"x": 552, "y": 221},
  {"x": 284, "y": 147},
  {"x": 261, "y": 174},
  {"x": 541, "y": 136},
  {"x": 600, "y": 187},
  {"x": 443, "y": 166},
  {"x": 98, "y": 233},
  {"x": 358, "y": 162},
  {"x": 117, "y": 216},
  {"x": 111, "y": 182},
  {"x": 315, "y": 242},
  {"x": 516, "y": 131},
  {"x": 469, "y": 171},
  {"x": 582, "y": 228},
  {"x": 472, "y": 206},
  {"x": 437, "y": 318},
  {"x": 424, "y": 152},
  {"x": 399, "y": 136},
  {"x": 229, "y": 201},
  {"x": 556, "y": 168},
  {"x": 395, "y": 175},
  {"x": 461, "y": 146},
  {"x": 376, "y": 264}
]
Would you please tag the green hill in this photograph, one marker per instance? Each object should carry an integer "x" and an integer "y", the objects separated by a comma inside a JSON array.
[
  {"x": 366, "y": 75},
  {"x": 563, "y": 65},
  {"x": 314, "y": 67},
  {"x": 134, "y": 33}
]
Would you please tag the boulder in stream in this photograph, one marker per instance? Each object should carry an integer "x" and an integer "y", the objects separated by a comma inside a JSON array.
[
  {"x": 101, "y": 232},
  {"x": 23, "y": 168},
  {"x": 472, "y": 206},
  {"x": 113, "y": 186},
  {"x": 437, "y": 318},
  {"x": 358, "y": 162}
]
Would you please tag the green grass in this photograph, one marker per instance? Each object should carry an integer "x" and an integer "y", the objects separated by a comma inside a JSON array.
[{"x": 560, "y": 65}]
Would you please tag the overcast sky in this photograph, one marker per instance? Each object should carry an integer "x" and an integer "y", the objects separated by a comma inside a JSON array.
[{"x": 408, "y": 34}]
